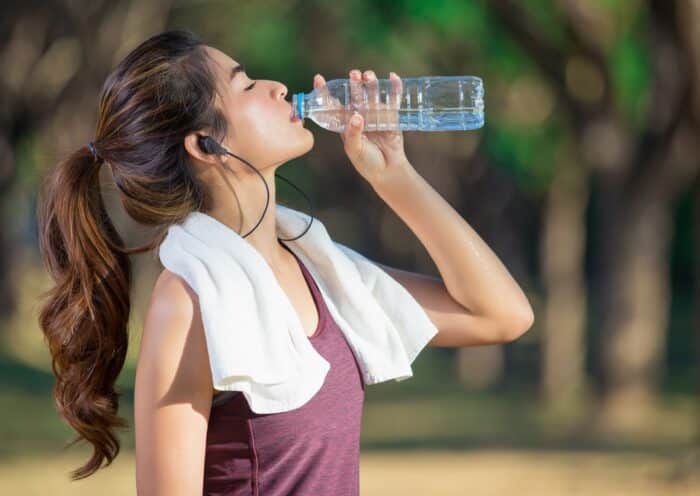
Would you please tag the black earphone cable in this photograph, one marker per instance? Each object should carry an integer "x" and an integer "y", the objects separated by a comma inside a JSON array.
[{"x": 210, "y": 146}]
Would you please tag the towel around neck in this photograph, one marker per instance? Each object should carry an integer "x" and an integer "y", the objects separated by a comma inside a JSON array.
[{"x": 255, "y": 340}]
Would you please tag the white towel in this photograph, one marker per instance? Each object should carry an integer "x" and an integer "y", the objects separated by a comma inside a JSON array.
[{"x": 255, "y": 340}]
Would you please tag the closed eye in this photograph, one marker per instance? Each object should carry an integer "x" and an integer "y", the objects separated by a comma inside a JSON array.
[{"x": 250, "y": 87}]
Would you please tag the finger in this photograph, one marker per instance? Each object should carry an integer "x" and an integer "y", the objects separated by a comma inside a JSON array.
[
  {"x": 353, "y": 136},
  {"x": 320, "y": 85},
  {"x": 394, "y": 99},
  {"x": 371, "y": 84},
  {"x": 396, "y": 90},
  {"x": 356, "y": 92}
]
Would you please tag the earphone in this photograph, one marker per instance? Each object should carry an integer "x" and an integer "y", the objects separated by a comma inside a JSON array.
[{"x": 209, "y": 145}]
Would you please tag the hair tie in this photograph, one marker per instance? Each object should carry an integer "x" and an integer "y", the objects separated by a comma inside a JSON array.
[{"x": 91, "y": 147}]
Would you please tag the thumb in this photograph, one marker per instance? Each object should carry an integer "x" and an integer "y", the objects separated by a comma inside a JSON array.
[{"x": 353, "y": 135}]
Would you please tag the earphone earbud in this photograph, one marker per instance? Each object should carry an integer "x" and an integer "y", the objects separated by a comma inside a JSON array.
[{"x": 209, "y": 145}]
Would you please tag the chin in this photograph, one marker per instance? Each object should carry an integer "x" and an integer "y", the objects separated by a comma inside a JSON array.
[
  {"x": 308, "y": 143},
  {"x": 303, "y": 147}
]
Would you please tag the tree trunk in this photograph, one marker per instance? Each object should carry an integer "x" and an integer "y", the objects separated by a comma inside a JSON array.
[
  {"x": 635, "y": 319},
  {"x": 563, "y": 380},
  {"x": 696, "y": 298}
]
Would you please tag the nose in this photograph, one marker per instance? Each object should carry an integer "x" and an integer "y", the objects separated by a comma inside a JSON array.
[{"x": 283, "y": 91}]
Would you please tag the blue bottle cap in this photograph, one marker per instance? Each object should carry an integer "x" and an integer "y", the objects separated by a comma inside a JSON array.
[{"x": 298, "y": 104}]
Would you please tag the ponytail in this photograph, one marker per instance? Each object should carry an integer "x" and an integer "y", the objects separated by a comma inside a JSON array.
[{"x": 84, "y": 315}]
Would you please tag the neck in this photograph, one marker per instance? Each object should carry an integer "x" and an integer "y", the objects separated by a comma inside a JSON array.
[{"x": 242, "y": 208}]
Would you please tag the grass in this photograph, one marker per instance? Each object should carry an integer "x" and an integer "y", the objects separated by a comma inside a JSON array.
[{"x": 482, "y": 472}]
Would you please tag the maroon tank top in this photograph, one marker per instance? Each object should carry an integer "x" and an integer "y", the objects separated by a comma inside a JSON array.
[{"x": 311, "y": 450}]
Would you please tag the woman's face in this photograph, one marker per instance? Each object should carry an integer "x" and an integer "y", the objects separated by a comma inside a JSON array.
[{"x": 260, "y": 127}]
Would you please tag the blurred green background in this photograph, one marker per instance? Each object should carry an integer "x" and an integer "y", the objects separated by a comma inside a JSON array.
[{"x": 584, "y": 181}]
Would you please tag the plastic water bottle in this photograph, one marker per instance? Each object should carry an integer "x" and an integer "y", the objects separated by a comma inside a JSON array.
[{"x": 428, "y": 103}]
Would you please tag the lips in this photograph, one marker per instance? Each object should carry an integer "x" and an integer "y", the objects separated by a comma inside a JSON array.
[{"x": 293, "y": 117}]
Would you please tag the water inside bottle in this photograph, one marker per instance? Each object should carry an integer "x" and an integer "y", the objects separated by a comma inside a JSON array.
[{"x": 445, "y": 119}]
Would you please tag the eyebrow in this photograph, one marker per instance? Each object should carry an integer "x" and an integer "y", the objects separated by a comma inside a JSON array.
[{"x": 236, "y": 69}]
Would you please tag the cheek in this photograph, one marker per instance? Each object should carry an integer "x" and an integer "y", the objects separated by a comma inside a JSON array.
[
  {"x": 247, "y": 125},
  {"x": 257, "y": 120},
  {"x": 262, "y": 122}
]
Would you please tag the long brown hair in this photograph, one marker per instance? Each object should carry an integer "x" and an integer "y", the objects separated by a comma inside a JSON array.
[{"x": 160, "y": 92}]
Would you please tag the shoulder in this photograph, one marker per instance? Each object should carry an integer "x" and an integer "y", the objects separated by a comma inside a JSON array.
[
  {"x": 173, "y": 310},
  {"x": 172, "y": 295},
  {"x": 173, "y": 348}
]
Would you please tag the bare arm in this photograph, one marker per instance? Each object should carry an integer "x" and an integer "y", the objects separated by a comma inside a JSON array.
[
  {"x": 173, "y": 393},
  {"x": 495, "y": 309},
  {"x": 457, "y": 326}
]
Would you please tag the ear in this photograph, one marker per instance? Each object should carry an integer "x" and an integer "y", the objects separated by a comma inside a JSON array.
[{"x": 193, "y": 149}]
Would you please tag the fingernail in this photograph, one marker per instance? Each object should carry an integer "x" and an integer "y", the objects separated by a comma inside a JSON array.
[{"x": 355, "y": 121}]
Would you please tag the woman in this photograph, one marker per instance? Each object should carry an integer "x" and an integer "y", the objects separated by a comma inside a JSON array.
[{"x": 154, "y": 108}]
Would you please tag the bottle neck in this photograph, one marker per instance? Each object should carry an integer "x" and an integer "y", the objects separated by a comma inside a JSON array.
[{"x": 301, "y": 107}]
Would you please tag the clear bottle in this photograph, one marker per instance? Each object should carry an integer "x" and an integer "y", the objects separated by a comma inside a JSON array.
[{"x": 428, "y": 103}]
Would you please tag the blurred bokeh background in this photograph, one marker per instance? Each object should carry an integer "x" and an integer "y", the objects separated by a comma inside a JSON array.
[{"x": 584, "y": 181}]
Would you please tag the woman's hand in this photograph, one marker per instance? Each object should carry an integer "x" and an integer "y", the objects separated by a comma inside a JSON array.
[{"x": 375, "y": 154}]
